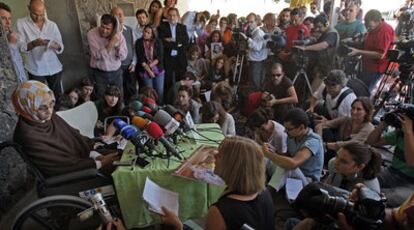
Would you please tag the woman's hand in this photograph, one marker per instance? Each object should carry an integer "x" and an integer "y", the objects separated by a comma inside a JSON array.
[{"x": 171, "y": 219}]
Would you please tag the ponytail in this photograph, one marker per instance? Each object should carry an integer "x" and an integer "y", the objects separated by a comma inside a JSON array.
[{"x": 365, "y": 154}]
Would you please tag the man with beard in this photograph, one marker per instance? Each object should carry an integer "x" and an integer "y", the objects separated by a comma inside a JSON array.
[{"x": 282, "y": 91}]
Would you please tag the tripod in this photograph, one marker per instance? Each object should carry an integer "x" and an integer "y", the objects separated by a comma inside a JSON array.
[
  {"x": 302, "y": 61},
  {"x": 404, "y": 93},
  {"x": 237, "y": 73}
]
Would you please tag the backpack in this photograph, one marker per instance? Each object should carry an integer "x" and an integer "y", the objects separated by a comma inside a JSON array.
[{"x": 356, "y": 86}]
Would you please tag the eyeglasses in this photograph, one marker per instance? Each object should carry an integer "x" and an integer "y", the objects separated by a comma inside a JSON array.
[
  {"x": 37, "y": 15},
  {"x": 290, "y": 129}
]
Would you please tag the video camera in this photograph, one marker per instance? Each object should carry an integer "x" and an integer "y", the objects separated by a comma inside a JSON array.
[
  {"x": 357, "y": 41},
  {"x": 392, "y": 118},
  {"x": 299, "y": 56},
  {"x": 320, "y": 201},
  {"x": 276, "y": 40},
  {"x": 240, "y": 42}
]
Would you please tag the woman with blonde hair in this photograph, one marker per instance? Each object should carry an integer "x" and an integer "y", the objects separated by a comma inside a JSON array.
[{"x": 245, "y": 201}]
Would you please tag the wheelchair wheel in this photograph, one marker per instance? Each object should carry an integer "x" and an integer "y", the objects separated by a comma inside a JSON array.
[{"x": 55, "y": 212}]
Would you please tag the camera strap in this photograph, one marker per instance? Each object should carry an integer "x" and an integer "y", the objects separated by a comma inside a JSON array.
[{"x": 340, "y": 99}]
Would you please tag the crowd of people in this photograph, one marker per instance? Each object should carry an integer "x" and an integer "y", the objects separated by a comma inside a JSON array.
[{"x": 327, "y": 135}]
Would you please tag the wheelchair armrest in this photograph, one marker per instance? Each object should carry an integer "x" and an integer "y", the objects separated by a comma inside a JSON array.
[{"x": 73, "y": 176}]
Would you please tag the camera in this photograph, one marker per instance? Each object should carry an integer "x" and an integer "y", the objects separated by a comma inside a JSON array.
[
  {"x": 357, "y": 41},
  {"x": 392, "y": 118},
  {"x": 276, "y": 41},
  {"x": 321, "y": 200},
  {"x": 240, "y": 42}
]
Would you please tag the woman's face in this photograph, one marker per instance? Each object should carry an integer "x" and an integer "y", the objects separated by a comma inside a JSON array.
[
  {"x": 357, "y": 111},
  {"x": 154, "y": 8},
  {"x": 219, "y": 63},
  {"x": 147, "y": 34},
  {"x": 111, "y": 101},
  {"x": 183, "y": 98},
  {"x": 216, "y": 37},
  {"x": 345, "y": 165},
  {"x": 45, "y": 111},
  {"x": 170, "y": 3},
  {"x": 87, "y": 90},
  {"x": 74, "y": 97},
  {"x": 195, "y": 55}
]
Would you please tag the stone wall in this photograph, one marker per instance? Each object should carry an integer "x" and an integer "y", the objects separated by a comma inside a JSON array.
[{"x": 13, "y": 173}]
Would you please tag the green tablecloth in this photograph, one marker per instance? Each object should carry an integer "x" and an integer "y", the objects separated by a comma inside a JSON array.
[{"x": 194, "y": 197}]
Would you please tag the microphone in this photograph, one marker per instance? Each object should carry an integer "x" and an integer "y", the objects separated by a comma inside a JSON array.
[
  {"x": 147, "y": 109},
  {"x": 136, "y": 106},
  {"x": 178, "y": 115},
  {"x": 129, "y": 132},
  {"x": 155, "y": 131},
  {"x": 165, "y": 120},
  {"x": 151, "y": 104},
  {"x": 140, "y": 122},
  {"x": 145, "y": 115}
]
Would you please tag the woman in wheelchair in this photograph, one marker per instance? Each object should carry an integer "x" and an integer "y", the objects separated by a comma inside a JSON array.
[{"x": 52, "y": 145}]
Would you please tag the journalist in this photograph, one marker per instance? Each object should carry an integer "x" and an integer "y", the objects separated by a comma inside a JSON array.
[
  {"x": 376, "y": 43},
  {"x": 397, "y": 180},
  {"x": 325, "y": 47},
  {"x": 257, "y": 51}
]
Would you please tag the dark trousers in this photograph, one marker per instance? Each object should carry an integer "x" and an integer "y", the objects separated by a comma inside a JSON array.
[
  {"x": 173, "y": 72},
  {"x": 53, "y": 81},
  {"x": 105, "y": 78},
  {"x": 129, "y": 83}
]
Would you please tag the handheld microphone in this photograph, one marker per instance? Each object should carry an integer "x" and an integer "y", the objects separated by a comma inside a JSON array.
[
  {"x": 129, "y": 132},
  {"x": 178, "y": 115},
  {"x": 151, "y": 104},
  {"x": 140, "y": 122},
  {"x": 155, "y": 131},
  {"x": 165, "y": 120},
  {"x": 145, "y": 115},
  {"x": 136, "y": 106}
]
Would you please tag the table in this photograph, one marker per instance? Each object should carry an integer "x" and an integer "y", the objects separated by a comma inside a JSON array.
[{"x": 194, "y": 197}]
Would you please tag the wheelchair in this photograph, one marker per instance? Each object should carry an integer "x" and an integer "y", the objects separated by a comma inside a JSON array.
[{"x": 60, "y": 205}]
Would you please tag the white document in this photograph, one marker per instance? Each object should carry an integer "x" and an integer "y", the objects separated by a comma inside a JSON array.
[
  {"x": 157, "y": 196},
  {"x": 207, "y": 95},
  {"x": 278, "y": 179},
  {"x": 293, "y": 187}
]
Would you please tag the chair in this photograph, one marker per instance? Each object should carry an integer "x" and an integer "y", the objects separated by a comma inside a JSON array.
[
  {"x": 82, "y": 117},
  {"x": 56, "y": 193}
]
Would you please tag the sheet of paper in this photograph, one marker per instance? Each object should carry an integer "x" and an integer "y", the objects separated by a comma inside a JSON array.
[
  {"x": 278, "y": 179},
  {"x": 207, "y": 95},
  {"x": 157, "y": 196},
  {"x": 293, "y": 187}
]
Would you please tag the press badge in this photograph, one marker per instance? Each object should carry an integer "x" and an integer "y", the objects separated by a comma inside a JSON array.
[{"x": 174, "y": 53}]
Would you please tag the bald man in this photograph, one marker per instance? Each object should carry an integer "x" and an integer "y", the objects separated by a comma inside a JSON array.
[
  {"x": 12, "y": 39},
  {"x": 42, "y": 42},
  {"x": 128, "y": 64}
]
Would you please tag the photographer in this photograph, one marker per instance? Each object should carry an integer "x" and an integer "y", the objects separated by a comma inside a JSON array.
[
  {"x": 398, "y": 13},
  {"x": 325, "y": 46},
  {"x": 397, "y": 181},
  {"x": 376, "y": 43},
  {"x": 257, "y": 51}
]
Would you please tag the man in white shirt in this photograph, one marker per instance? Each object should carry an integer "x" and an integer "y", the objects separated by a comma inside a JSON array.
[
  {"x": 142, "y": 21},
  {"x": 42, "y": 42},
  {"x": 12, "y": 39},
  {"x": 257, "y": 52},
  {"x": 337, "y": 98}
]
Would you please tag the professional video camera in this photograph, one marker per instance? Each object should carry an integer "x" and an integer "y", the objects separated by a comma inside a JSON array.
[
  {"x": 299, "y": 56},
  {"x": 357, "y": 41},
  {"x": 240, "y": 42},
  {"x": 276, "y": 40},
  {"x": 320, "y": 202},
  {"x": 392, "y": 118}
]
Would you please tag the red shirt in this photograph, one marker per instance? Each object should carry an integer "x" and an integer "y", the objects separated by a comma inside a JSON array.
[
  {"x": 378, "y": 40},
  {"x": 292, "y": 33}
]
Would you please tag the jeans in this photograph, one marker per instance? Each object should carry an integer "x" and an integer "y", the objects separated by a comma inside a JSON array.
[
  {"x": 158, "y": 84},
  {"x": 103, "y": 79},
  {"x": 396, "y": 187},
  {"x": 257, "y": 72},
  {"x": 370, "y": 79}
]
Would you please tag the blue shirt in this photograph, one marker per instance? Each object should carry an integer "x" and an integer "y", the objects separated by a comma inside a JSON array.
[
  {"x": 312, "y": 167},
  {"x": 17, "y": 62},
  {"x": 173, "y": 28}
]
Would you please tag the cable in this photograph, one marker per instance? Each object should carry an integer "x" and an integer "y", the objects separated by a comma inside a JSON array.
[{"x": 201, "y": 135}]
